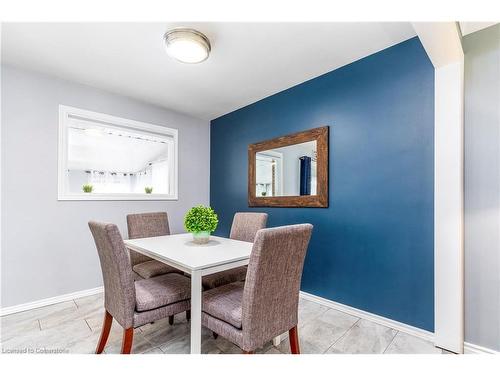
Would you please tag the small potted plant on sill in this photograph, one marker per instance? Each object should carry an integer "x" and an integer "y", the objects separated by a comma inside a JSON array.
[
  {"x": 201, "y": 221},
  {"x": 87, "y": 188},
  {"x": 148, "y": 189}
]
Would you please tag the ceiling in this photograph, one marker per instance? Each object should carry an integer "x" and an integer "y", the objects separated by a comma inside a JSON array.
[
  {"x": 249, "y": 61},
  {"x": 471, "y": 27}
]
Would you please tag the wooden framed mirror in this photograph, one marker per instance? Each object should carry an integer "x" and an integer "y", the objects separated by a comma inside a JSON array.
[{"x": 289, "y": 171}]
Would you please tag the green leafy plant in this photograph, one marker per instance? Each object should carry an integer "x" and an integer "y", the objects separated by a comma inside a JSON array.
[
  {"x": 87, "y": 188},
  {"x": 148, "y": 189},
  {"x": 201, "y": 219}
]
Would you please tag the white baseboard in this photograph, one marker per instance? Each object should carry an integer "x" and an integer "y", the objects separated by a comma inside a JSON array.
[
  {"x": 49, "y": 301},
  {"x": 476, "y": 349},
  {"x": 426, "y": 335}
]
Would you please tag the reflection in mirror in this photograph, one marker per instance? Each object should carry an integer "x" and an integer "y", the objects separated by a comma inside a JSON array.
[{"x": 287, "y": 171}]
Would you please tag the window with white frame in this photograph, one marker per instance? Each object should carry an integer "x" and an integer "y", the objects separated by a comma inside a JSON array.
[{"x": 103, "y": 157}]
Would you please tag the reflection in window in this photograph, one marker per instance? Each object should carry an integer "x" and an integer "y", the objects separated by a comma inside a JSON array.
[{"x": 107, "y": 157}]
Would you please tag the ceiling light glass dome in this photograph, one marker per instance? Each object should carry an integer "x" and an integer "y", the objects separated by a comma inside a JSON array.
[{"x": 187, "y": 45}]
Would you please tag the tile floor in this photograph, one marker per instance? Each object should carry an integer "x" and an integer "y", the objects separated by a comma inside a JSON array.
[{"x": 74, "y": 327}]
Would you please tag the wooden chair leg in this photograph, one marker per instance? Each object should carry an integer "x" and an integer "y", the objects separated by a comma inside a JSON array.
[
  {"x": 294, "y": 340},
  {"x": 171, "y": 319},
  {"x": 128, "y": 338},
  {"x": 106, "y": 327},
  {"x": 188, "y": 315}
]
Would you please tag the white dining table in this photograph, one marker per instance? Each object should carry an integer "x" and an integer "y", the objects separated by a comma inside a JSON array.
[{"x": 179, "y": 251}]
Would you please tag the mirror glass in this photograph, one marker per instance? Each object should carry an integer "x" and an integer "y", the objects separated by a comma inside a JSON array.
[{"x": 287, "y": 171}]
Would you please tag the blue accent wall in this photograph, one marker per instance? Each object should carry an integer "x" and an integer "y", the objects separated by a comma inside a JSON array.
[{"x": 373, "y": 248}]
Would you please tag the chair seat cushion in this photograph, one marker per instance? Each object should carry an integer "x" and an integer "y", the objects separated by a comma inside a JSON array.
[
  {"x": 152, "y": 268},
  {"x": 161, "y": 290},
  {"x": 224, "y": 277},
  {"x": 224, "y": 303}
]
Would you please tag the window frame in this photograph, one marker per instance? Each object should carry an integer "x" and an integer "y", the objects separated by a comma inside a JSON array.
[{"x": 63, "y": 193}]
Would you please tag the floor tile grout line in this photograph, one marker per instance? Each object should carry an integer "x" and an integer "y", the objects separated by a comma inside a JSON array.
[
  {"x": 152, "y": 343},
  {"x": 159, "y": 348},
  {"x": 88, "y": 325},
  {"x": 378, "y": 323},
  {"x": 390, "y": 342},
  {"x": 39, "y": 324},
  {"x": 345, "y": 333},
  {"x": 309, "y": 321}
]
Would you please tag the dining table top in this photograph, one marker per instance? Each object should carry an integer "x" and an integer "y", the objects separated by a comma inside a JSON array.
[{"x": 180, "y": 250}]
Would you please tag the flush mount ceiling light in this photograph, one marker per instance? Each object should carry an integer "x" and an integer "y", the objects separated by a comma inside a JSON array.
[{"x": 187, "y": 45}]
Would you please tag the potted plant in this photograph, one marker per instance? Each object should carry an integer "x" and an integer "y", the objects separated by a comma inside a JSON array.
[
  {"x": 87, "y": 188},
  {"x": 201, "y": 221},
  {"x": 148, "y": 189}
]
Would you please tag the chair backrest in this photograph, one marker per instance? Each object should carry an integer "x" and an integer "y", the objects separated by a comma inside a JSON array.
[
  {"x": 271, "y": 292},
  {"x": 246, "y": 224},
  {"x": 149, "y": 224},
  {"x": 119, "y": 287}
]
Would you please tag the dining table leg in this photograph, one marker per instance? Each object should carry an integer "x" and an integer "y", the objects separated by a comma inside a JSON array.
[{"x": 196, "y": 312}]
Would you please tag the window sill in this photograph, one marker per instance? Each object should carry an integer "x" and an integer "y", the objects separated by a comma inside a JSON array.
[{"x": 116, "y": 197}]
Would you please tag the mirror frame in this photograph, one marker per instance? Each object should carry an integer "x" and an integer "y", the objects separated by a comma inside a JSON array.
[{"x": 320, "y": 135}]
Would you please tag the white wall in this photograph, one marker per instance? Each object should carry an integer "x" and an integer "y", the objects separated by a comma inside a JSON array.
[
  {"x": 291, "y": 166},
  {"x": 482, "y": 188},
  {"x": 442, "y": 42},
  {"x": 448, "y": 208},
  {"x": 47, "y": 249}
]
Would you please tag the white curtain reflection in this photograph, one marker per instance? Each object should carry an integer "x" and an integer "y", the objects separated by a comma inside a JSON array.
[
  {"x": 110, "y": 182},
  {"x": 142, "y": 180}
]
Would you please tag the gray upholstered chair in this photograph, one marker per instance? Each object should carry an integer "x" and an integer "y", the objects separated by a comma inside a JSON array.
[
  {"x": 244, "y": 228},
  {"x": 151, "y": 224},
  {"x": 133, "y": 303},
  {"x": 253, "y": 312}
]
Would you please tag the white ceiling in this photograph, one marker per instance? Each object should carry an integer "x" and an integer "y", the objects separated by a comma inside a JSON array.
[
  {"x": 249, "y": 61},
  {"x": 471, "y": 27}
]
